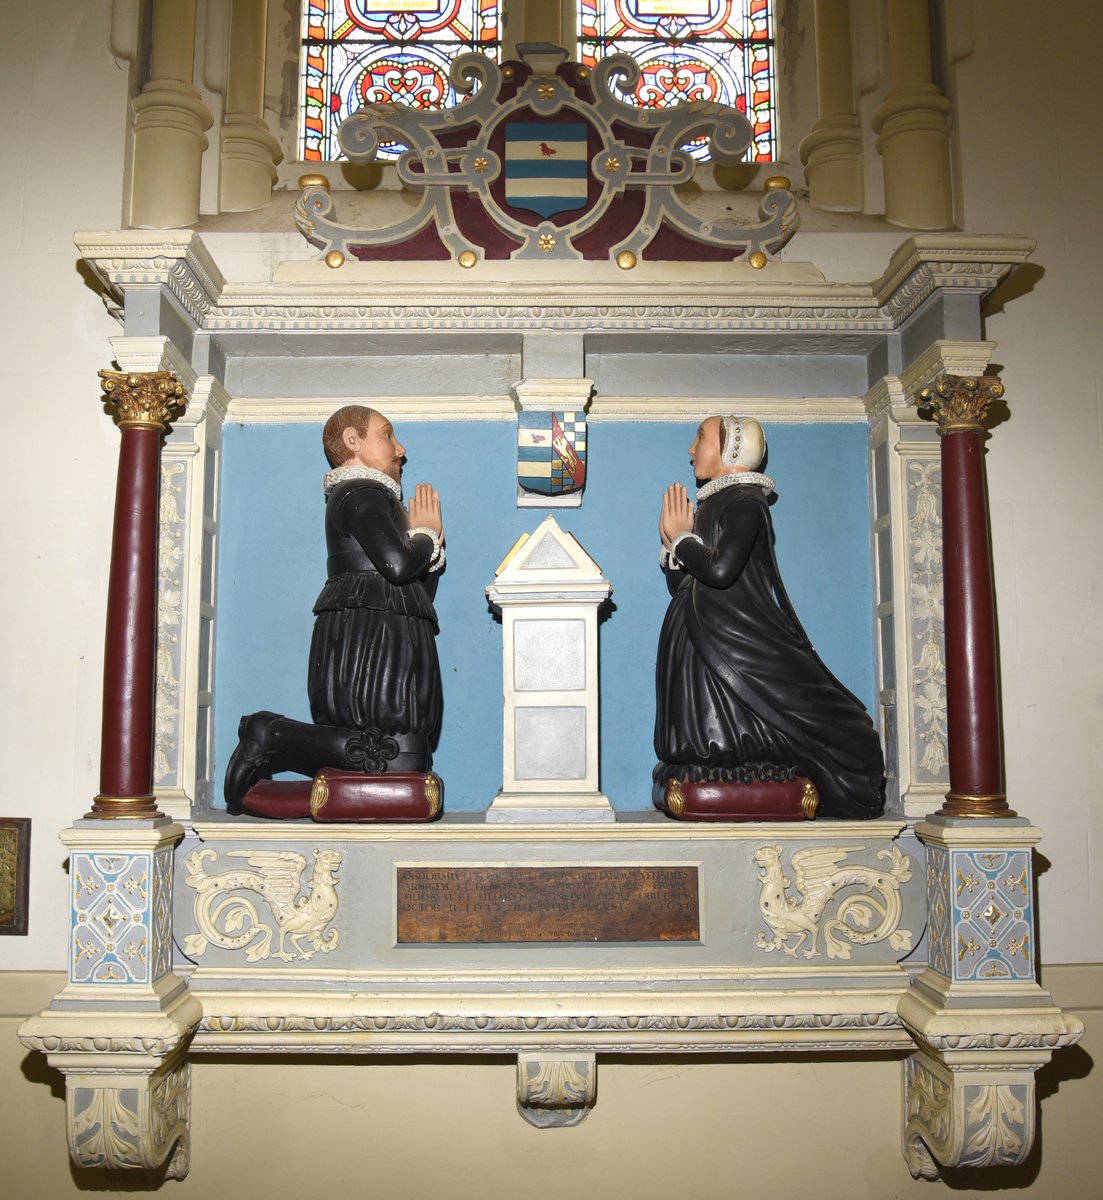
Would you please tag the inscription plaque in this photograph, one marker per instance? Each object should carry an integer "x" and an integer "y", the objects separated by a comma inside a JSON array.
[{"x": 548, "y": 904}]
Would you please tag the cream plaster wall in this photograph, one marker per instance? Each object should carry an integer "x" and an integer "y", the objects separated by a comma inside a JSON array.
[
  {"x": 698, "y": 1128},
  {"x": 1039, "y": 171},
  {"x": 62, "y": 137}
]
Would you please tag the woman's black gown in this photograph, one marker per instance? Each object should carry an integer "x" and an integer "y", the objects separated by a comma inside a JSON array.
[{"x": 737, "y": 679}]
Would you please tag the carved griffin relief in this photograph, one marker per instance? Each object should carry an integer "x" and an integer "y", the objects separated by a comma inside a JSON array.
[
  {"x": 861, "y": 917},
  {"x": 233, "y": 921}
]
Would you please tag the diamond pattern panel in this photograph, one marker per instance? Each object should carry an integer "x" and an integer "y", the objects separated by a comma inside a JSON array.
[
  {"x": 993, "y": 915},
  {"x": 110, "y": 929}
]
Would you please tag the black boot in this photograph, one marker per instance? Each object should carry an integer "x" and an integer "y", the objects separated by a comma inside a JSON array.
[{"x": 269, "y": 743}]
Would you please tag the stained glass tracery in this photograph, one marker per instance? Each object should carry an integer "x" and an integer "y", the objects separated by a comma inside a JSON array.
[
  {"x": 358, "y": 52},
  {"x": 692, "y": 50}
]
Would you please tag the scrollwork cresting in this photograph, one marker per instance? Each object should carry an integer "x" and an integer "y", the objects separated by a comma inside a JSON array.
[{"x": 648, "y": 160}]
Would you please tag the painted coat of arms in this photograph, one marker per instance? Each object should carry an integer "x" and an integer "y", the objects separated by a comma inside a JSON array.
[
  {"x": 551, "y": 452},
  {"x": 546, "y": 166}
]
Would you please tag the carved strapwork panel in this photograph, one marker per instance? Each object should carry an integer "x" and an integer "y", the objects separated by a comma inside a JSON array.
[
  {"x": 186, "y": 602},
  {"x": 555, "y": 1090},
  {"x": 987, "y": 929},
  {"x": 131, "y": 1121},
  {"x": 172, "y": 549},
  {"x": 543, "y": 161},
  {"x": 978, "y": 1117},
  {"x": 926, "y": 634}
]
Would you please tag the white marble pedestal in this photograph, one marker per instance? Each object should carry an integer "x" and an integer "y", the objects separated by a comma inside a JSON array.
[{"x": 548, "y": 591}]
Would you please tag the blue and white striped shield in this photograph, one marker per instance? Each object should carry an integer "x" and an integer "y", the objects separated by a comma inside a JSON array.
[{"x": 547, "y": 165}]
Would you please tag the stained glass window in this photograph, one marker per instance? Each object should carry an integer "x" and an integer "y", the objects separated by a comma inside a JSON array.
[
  {"x": 692, "y": 50},
  {"x": 359, "y": 52}
]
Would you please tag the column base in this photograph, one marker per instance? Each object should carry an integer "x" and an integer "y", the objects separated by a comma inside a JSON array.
[{"x": 832, "y": 157}]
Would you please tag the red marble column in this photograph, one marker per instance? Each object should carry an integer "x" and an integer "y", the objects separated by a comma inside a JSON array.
[
  {"x": 959, "y": 404},
  {"x": 144, "y": 405}
]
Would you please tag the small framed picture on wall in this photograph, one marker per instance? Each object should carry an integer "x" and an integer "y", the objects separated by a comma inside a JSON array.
[{"x": 15, "y": 862}]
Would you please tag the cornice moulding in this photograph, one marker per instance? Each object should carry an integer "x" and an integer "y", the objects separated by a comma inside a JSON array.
[
  {"x": 787, "y": 296},
  {"x": 175, "y": 259},
  {"x": 942, "y": 252}
]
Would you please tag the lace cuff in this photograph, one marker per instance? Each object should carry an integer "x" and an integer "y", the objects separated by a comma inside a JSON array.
[
  {"x": 677, "y": 541},
  {"x": 437, "y": 560}
]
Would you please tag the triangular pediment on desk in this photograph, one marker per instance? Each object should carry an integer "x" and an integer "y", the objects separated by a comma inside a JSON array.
[{"x": 546, "y": 555}]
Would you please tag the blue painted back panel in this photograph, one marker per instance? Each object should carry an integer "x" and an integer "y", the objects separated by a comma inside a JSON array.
[{"x": 272, "y": 566}]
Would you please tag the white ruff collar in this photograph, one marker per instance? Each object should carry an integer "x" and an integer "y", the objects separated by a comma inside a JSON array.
[
  {"x": 355, "y": 471},
  {"x": 736, "y": 479}
]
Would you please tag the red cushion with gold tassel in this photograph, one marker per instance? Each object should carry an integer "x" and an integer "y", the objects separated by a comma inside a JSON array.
[
  {"x": 794, "y": 800},
  {"x": 349, "y": 796}
]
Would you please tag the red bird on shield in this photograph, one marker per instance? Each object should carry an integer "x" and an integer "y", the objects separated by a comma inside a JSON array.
[{"x": 547, "y": 150}]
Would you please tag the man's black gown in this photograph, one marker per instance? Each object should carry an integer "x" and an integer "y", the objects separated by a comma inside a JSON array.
[
  {"x": 738, "y": 681},
  {"x": 373, "y": 656},
  {"x": 373, "y": 678}
]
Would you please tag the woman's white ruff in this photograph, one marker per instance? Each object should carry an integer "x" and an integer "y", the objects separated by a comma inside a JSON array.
[
  {"x": 738, "y": 478},
  {"x": 355, "y": 471}
]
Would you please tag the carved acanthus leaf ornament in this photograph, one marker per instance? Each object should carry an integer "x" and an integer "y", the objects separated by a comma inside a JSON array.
[
  {"x": 960, "y": 402},
  {"x": 143, "y": 399}
]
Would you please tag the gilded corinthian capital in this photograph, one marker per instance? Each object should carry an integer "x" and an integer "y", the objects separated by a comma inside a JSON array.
[
  {"x": 143, "y": 399},
  {"x": 959, "y": 402}
]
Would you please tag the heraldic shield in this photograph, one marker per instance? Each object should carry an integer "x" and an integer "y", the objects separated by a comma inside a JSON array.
[
  {"x": 546, "y": 166},
  {"x": 551, "y": 452}
]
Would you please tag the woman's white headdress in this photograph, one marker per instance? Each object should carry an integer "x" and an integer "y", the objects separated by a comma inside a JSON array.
[{"x": 743, "y": 443}]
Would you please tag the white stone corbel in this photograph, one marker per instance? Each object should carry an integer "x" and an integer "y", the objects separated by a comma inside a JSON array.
[{"x": 555, "y": 1091}]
